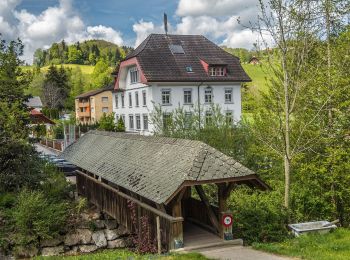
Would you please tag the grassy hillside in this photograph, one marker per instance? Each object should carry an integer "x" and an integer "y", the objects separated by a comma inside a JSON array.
[{"x": 259, "y": 76}]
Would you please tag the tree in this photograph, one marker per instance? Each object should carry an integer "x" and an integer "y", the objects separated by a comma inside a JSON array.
[
  {"x": 56, "y": 88},
  {"x": 288, "y": 23},
  {"x": 106, "y": 122},
  {"x": 17, "y": 167},
  {"x": 120, "y": 125},
  {"x": 101, "y": 76},
  {"x": 39, "y": 58},
  {"x": 74, "y": 55}
]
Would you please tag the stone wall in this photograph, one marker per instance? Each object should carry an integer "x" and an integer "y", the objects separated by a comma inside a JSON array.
[{"x": 93, "y": 231}]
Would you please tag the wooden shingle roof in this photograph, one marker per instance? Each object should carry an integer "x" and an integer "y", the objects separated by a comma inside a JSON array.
[
  {"x": 159, "y": 64},
  {"x": 153, "y": 167}
]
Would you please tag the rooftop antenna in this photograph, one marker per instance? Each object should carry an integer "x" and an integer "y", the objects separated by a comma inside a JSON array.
[{"x": 166, "y": 24}]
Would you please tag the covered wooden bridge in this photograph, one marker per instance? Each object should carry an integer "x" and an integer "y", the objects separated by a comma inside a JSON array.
[{"x": 156, "y": 177}]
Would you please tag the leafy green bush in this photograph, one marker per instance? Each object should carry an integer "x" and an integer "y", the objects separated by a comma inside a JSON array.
[
  {"x": 120, "y": 125},
  {"x": 7, "y": 200},
  {"x": 106, "y": 122},
  {"x": 258, "y": 216},
  {"x": 37, "y": 218}
]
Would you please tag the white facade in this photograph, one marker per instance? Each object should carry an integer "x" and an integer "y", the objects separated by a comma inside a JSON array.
[{"x": 176, "y": 94}]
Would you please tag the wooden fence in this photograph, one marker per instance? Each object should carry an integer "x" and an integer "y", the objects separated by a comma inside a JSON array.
[
  {"x": 130, "y": 212},
  {"x": 53, "y": 143}
]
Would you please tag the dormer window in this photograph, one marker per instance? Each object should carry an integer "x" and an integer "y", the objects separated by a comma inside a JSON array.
[
  {"x": 217, "y": 71},
  {"x": 134, "y": 75}
]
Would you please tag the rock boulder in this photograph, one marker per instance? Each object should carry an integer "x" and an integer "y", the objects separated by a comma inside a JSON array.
[
  {"x": 51, "y": 251},
  {"x": 118, "y": 243},
  {"x": 99, "y": 239}
]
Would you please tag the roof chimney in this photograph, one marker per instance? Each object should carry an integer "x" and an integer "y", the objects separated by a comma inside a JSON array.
[{"x": 166, "y": 24}]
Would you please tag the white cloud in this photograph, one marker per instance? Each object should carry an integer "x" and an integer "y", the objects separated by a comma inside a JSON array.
[
  {"x": 52, "y": 25},
  {"x": 143, "y": 29},
  {"x": 103, "y": 32},
  {"x": 214, "y": 8},
  {"x": 216, "y": 19}
]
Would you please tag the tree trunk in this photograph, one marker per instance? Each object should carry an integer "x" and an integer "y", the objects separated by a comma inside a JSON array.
[{"x": 286, "y": 181}]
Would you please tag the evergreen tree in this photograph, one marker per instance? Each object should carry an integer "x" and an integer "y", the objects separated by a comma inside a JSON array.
[{"x": 17, "y": 167}]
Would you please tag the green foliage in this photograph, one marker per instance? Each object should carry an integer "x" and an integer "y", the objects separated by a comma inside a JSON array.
[
  {"x": 58, "y": 131},
  {"x": 120, "y": 127},
  {"x": 335, "y": 245},
  {"x": 258, "y": 216},
  {"x": 56, "y": 88},
  {"x": 74, "y": 55},
  {"x": 51, "y": 113},
  {"x": 125, "y": 254},
  {"x": 106, "y": 122},
  {"x": 39, "y": 130},
  {"x": 101, "y": 76},
  {"x": 88, "y": 53},
  {"x": 37, "y": 218}
]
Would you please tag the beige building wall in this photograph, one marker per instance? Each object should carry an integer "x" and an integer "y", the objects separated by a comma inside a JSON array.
[{"x": 100, "y": 103}]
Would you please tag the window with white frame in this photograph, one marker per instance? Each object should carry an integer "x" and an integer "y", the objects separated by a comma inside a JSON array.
[
  {"x": 130, "y": 100},
  {"x": 208, "y": 117},
  {"x": 144, "y": 98},
  {"x": 123, "y": 118},
  {"x": 104, "y": 99},
  {"x": 138, "y": 122},
  {"x": 134, "y": 75},
  {"x": 220, "y": 71},
  {"x": 187, "y": 96},
  {"x": 166, "y": 96},
  {"x": 116, "y": 101},
  {"x": 145, "y": 121},
  {"x": 123, "y": 100},
  {"x": 116, "y": 117},
  {"x": 208, "y": 95},
  {"x": 131, "y": 121},
  {"x": 228, "y": 95},
  {"x": 216, "y": 71},
  {"x": 105, "y": 109},
  {"x": 137, "y": 98},
  {"x": 212, "y": 71},
  {"x": 229, "y": 117}
]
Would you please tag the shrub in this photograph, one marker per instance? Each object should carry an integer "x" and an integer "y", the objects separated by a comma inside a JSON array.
[
  {"x": 258, "y": 216},
  {"x": 120, "y": 125},
  {"x": 55, "y": 186},
  {"x": 36, "y": 218},
  {"x": 106, "y": 122}
]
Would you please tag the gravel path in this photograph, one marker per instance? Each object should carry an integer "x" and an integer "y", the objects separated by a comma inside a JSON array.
[{"x": 239, "y": 253}]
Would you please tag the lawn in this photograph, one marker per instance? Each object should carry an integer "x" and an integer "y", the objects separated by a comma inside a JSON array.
[
  {"x": 258, "y": 74},
  {"x": 124, "y": 254},
  {"x": 85, "y": 69},
  {"x": 335, "y": 245}
]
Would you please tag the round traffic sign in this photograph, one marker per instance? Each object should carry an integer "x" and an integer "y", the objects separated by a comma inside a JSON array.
[{"x": 227, "y": 220}]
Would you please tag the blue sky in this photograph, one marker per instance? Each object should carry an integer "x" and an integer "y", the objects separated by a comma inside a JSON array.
[
  {"x": 120, "y": 15},
  {"x": 39, "y": 23}
]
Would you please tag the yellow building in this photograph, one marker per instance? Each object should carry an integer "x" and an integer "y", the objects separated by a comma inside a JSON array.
[{"x": 90, "y": 106}]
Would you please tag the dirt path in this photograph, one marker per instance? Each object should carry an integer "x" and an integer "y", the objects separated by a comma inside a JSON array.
[{"x": 239, "y": 253}]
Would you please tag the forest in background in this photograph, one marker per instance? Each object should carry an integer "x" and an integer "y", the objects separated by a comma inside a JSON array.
[{"x": 84, "y": 53}]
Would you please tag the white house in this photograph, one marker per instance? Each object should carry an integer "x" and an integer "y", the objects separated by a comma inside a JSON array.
[{"x": 176, "y": 70}]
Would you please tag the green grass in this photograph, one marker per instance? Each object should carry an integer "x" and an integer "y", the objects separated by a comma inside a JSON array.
[
  {"x": 85, "y": 69},
  {"x": 258, "y": 74},
  {"x": 335, "y": 245},
  {"x": 124, "y": 254}
]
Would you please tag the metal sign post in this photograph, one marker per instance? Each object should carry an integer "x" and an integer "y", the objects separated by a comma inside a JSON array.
[{"x": 227, "y": 221}]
